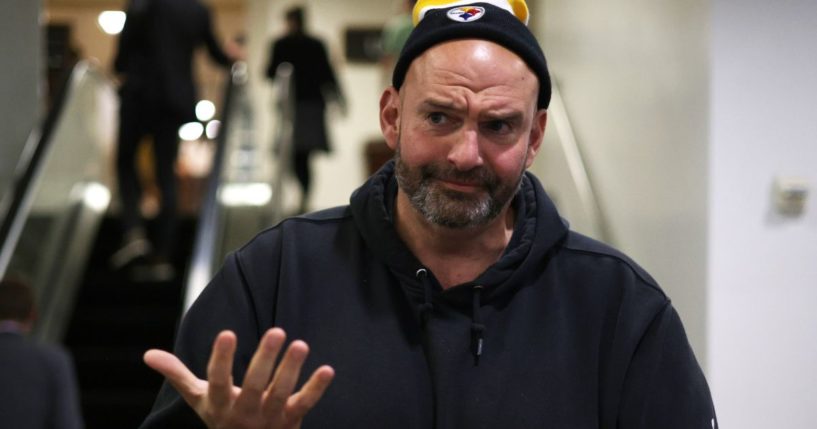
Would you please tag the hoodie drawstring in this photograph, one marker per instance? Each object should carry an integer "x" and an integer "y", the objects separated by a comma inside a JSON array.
[
  {"x": 426, "y": 307},
  {"x": 477, "y": 328}
]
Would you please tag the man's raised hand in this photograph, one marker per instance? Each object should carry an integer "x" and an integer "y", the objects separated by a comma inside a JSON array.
[{"x": 260, "y": 402}]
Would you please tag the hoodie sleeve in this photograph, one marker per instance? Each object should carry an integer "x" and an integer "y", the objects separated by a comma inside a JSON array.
[
  {"x": 226, "y": 303},
  {"x": 664, "y": 386}
]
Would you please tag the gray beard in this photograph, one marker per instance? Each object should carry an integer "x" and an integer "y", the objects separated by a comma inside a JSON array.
[{"x": 452, "y": 209}]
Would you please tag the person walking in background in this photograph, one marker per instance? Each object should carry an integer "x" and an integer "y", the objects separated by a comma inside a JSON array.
[
  {"x": 158, "y": 95},
  {"x": 38, "y": 386},
  {"x": 314, "y": 84}
]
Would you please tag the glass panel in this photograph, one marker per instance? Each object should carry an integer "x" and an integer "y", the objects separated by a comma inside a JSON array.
[
  {"x": 245, "y": 194},
  {"x": 248, "y": 194},
  {"x": 69, "y": 193}
]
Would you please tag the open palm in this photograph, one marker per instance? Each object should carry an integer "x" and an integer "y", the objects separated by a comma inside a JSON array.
[{"x": 265, "y": 400}]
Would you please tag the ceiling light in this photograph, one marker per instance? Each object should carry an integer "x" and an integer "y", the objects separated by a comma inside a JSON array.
[{"x": 112, "y": 21}]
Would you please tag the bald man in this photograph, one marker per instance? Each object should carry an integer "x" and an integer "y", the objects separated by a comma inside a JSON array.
[{"x": 448, "y": 293}]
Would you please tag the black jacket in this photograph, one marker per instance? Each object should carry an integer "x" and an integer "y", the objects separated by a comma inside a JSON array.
[
  {"x": 562, "y": 332},
  {"x": 155, "y": 53},
  {"x": 38, "y": 386},
  {"x": 313, "y": 74},
  {"x": 314, "y": 83}
]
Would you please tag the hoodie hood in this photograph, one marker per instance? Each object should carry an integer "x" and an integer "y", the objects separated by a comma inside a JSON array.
[{"x": 538, "y": 228}]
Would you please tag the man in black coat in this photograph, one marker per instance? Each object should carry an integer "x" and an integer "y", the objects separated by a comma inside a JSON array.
[
  {"x": 449, "y": 293},
  {"x": 158, "y": 95},
  {"x": 314, "y": 83},
  {"x": 38, "y": 387}
]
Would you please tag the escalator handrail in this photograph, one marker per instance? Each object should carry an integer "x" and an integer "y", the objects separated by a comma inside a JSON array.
[
  {"x": 284, "y": 81},
  {"x": 16, "y": 202},
  {"x": 579, "y": 173},
  {"x": 201, "y": 259}
]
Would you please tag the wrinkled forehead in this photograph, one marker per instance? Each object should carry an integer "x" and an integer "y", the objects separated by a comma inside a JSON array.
[{"x": 476, "y": 64}]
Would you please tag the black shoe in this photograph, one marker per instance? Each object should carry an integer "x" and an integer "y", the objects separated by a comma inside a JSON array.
[
  {"x": 135, "y": 246},
  {"x": 153, "y": 272}
]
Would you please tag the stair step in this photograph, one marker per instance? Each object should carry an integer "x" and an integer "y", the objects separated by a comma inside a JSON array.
[
  {"x": 116, "y": 408},
  {"x": 110, "y": 368},
  {"x": 139, "y": 325},
  {"x": 114, "y": 321},
  {"x": 121, "y": 292}
]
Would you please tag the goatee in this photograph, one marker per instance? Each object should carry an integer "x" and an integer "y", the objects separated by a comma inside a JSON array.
[{"x": 450, "y": 208}]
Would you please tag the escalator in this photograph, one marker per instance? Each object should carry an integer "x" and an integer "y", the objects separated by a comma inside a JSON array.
[
  {"x": 115, "y": 319},
  {"x": 58, "y": 231}
]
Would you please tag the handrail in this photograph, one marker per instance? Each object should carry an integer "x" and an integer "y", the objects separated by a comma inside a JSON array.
[
  {"x": 283, "y": 136},
  {"x": 211, "y": 224},
  {"x": 201, "y": 261},
  {"x": 557, "y": 113},
  {"x": 16, "y": 204}
]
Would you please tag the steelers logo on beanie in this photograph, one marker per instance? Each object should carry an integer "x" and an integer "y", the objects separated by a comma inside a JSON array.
[{"x": 503, "y": 22}]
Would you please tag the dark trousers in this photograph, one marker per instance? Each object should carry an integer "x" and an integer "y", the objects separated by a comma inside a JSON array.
[
  {"x": 308, "y": 135},
  {"x": 300, "y": 165},
  {"x": 138, "y": 119}
]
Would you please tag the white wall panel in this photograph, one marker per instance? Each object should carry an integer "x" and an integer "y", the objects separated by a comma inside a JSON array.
[{"x": 763, "y": 275}]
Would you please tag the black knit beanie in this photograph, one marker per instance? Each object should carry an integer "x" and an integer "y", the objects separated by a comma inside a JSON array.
[{"x": 476, "y": 21}]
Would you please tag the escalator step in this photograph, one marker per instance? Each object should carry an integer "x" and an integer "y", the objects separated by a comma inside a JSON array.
[
  {"x": 116, "y": 408},
  {"x": 114, "y": 368}
]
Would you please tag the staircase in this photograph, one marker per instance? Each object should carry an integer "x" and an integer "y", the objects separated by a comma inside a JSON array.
[{"x": 115, "y": 320}]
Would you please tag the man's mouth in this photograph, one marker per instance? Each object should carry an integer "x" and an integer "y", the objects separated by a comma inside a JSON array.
[{"x": 461, "y": 185}]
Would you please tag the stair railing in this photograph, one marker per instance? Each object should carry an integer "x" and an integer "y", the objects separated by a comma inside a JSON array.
[
  {"x": 282, "y": 141},
  {"x": 565, "y": 174},
  {"x": 59, "y": 198},
  {"x": 208, "y": 229},
  {"x": 224, "y": 222},
  {"x": 16, "y": 203}
]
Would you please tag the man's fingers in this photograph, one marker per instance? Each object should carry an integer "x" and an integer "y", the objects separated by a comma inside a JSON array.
[
  {"x": 215, "y": 396},
  {"x": 185, "y": 382},
  {"x": 220, "y": 370},
  {"x": 286, "y": 376},
  {"x": 300, "y": 403},
  {"x": 260, "y": 371}
]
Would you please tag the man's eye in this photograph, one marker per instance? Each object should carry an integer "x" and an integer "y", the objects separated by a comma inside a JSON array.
[
  {"x": 436, "y": 118},
  {"x": 498, "y": 126}
]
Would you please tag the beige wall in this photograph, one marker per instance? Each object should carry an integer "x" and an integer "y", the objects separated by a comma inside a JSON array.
[{"x": 634, "y": 77}]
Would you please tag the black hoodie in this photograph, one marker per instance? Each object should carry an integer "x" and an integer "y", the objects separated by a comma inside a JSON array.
[{"x": 561, "y": 332}]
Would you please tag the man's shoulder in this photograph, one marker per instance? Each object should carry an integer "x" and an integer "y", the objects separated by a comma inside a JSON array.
[
  {"x": 602, "y": 259},
  {"x": 33, "y": 352},
  {"x": 313, "y": 221},
  {"x": 303, "y": 226},
  {"x": 326, "y": 215},
  {"x": 293, "y": 239}
]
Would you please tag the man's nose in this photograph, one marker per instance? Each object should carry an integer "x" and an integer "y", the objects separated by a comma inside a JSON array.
[{"x": 465, "y": 153}]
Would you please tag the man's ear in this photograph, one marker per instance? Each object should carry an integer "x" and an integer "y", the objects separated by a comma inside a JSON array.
[
  {"x": 537, "y": 134},
  {"x": 390, "y": 116}
]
